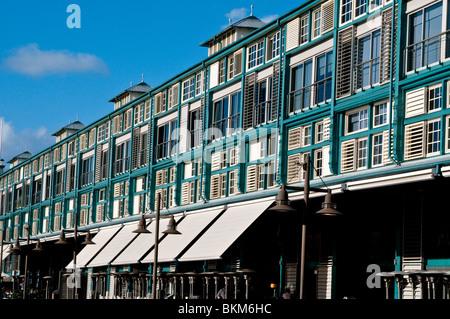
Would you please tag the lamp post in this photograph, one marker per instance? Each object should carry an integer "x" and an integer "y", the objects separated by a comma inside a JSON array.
[
  {"x": 16, "y": 250},
  {"x": 171, "y": 229},
  {"x": 283, "y": 204},
  {"x": 62, "y": 241}
]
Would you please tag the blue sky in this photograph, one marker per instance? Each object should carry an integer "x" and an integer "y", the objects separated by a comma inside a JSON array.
[{"x": 51, "y": 74}]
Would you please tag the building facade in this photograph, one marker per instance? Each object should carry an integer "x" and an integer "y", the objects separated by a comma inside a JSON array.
[{"x": 361, "y": 86}]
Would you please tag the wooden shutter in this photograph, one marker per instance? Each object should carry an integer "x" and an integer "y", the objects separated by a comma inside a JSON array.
[
  {"x": 135, "y": 149},
  {"x": 326, "y": 128},
  {"x": 276, "y": 89},
  {"x": 295, "y": 138},
  {"x": 185, "y": 193},
  {"x": 386, "y": 37},
  {"x": 215, "y": 186},
  {"x": 252, "y": 184},
  {"x": 238, "y": 63},
  {"x": 344, "y": 61},
  {"x": 414, "y": 140},
  {"x": 184, "y": 128},
  {"x": 293, "y": 168},
  {"x": 326, "y": 161},
  {"x": 386, "y": 146},
  {"x": 216, "y": 161},
  {"x": 348, "y": 156},
  {"x": 214, "y": 75},
  {"x": 327, "y": 16},
  {"x": 325, "y": 278},
  {"x": 249, "y": 100},
  {"x": 68, "y": 172},
  {"x": 415, "y": 102},
  {"x": 292, "y": 34},
  {"x": 100, "y": 212}
]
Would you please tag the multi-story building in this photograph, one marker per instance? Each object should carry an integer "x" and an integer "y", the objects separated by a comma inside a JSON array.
[{"x": 361, "y": 86}]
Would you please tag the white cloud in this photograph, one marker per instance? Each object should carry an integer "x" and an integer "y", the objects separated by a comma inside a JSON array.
[
  {"x": 15, "y": 142},
  {"x": 237, "y": 14},
  {"x": 30, "y": 60}
]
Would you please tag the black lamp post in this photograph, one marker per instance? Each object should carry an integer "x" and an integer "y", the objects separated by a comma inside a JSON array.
[
  {"x": 62, "y": 241},
  {"x": 283, "y": 204},
  {"x": 171, "y": 229},
  {"x": 16, "y": 249}
]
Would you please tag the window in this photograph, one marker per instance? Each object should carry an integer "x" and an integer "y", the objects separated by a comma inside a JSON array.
[
  {"x": 104, "y": 164},
  {"x": 188, "y": 89},
  {"x": 423, "y": 100},
  {"x": 138, "y": 114},
  {"x": 226, "y": 115},
  {"x": 263, "y": 100},
  {"x": 160, "y": 102},
  {"x": 375, "y": 4},
  {"x": 255, "y": 55},
  {"x": 424, "y": 40},
  {"x": 319, "y": 132},
  {"x": 122, "y": 157},
  {"x": 360, "y": 7},
  {"x": 377, "y": 150},
  {"x": 103, "y": 134},
  {"x": 317, "y": 23},
  {"x": 166, "y": 140},
  {"x": 354, "y": 154},
  {"x": 357, "y": 120},
  {"x": 273, "y": 46},
  {"x": 304, "y": 29},
  {"x": 433, "y": 137},
  {"x": 173, "y": 96},
  {"x": 368, "y": 63},
  {"x": 318, "y": 162},
  {"x": 87, "y": 171},
  {"x": 311, "y": 82},
  {"x": 199, "y": 83},
  {"x": 434, "y": 98},
  {"x": 195, "y": 127},
  {"x": 346, "y": 10},
  {"x": 235, "y": 64},
  {"x": 380, "y": 112}
]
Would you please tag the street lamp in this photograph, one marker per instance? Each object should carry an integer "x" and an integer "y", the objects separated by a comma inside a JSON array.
[
  {"x": 16, "y": 249},
  {"x": 283, "y": 204},
  {"x": 171, "y": 229},
  {"x": 62, "y": 241}
]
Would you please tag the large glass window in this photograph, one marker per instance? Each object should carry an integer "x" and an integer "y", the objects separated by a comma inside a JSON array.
[
  {"x": 357, "y": 121},
  {"x": 166, "y": 140},
  {"x": 368, "y": 66},
  {"x": 255, "y": 55},
  {"x": 226, "y": 114},
  {"x": 323, "y": 77},
  {"x": 301, "y": 86},
  {"x": 424, "y": 39}
]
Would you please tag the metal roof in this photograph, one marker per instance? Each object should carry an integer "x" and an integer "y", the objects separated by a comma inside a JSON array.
[
  {"x": 141, "y": 87},
  {"x": 250, "y": 22},
  {"x": 24, "y": 155},
  {"x": 75, "y": 126}
]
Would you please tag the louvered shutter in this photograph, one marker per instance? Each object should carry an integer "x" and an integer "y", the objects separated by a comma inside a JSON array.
[
  {"x": 236, "y": 181},
  {"x": 135, "y": 149},
  {"x": 348, "y": 156},
  {"x": 295, "y": 138},
  {"x": 238, "y": 63},
  {"x": 252, "y": 184},
  {"x": 215, "y": 186},
  {"x": 276, "y": 89},
  {"x": 249, "y": 100},
  {"x": 185, "y": 190},
  {"x": 344, "y": 62},
  {"x": 415, "y": 102},
  {"x": 386, "y": 146},
  {"x": 292, "y": 34},
  {"x": 214, "y": 75},
  {"x": 293, "y": 168},
  {"x": 326, "y": 161},
  {"x": 327, "y": 16},
  {"x": 216, "y": 161},
  {"x": 325, "y": 278},
  {"x": 184, "y": 128},
  {"x": 414, "y": 140},
  {"x": 100, "y": 212},
  {"x": 326, "y": 128},
  {"x": 98, "y": 162},
  {"x": 386, "y": 37},
  {"x": 68, "y": 173}
]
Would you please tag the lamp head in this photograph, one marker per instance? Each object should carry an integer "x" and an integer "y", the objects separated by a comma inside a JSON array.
[
  {"x": 38, "y": 246},
  {"x": 16, "y": 248},
  {"x": 62, "y": 239},
  {"x": 328, "y": 207},
  {"x": 141, "y": 229},
  {"x": 172, "y": 227},
  {"x": 88, "y": 239},
  {"x": 283, "y": 204}
]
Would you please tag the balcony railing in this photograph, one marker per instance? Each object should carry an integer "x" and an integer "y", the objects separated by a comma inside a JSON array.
[
  {"x": 165, "y": 149},
  {"x": 367, "y": 73},
  {"x": 121, "y": 165},
  {"x": 428, "y": 52},
  {"x": 228, "y": 125},
  {"x": 87, "y": 178},
  {"x": 308, "y": 96}
]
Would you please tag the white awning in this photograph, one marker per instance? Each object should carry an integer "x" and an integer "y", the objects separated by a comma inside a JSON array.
[
  {"x": 172, "y": 245},
  {"x": 114, "y": 246},
  {"x": 224, "y": 232},
  {"x": 141, "y": 244},
  {"x": 89, "y": 251}
]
